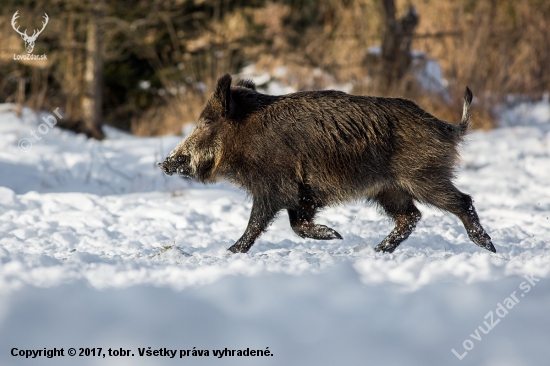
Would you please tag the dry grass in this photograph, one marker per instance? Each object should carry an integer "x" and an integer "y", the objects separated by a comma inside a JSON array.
[
  {"x": 169, "y": 118},
  {"x": 496, "y": 47}
]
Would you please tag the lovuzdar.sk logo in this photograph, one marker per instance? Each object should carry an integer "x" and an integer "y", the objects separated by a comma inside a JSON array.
[{"x": 29, "y": 40}]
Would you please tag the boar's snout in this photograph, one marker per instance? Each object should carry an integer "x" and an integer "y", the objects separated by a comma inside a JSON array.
[
  {"x": 165, "y": 168},
  {"x": 179, "y": 165}
]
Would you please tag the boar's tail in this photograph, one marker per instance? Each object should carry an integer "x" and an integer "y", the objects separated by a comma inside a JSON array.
[{"x": 466, "y": 120}]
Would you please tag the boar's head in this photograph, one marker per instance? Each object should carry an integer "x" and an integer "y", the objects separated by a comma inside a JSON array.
[{"x": 200, "y": 154}]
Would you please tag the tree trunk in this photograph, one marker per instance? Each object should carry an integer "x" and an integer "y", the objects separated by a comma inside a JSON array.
[
  {"x": 396, "y": 46},
  {"x": 93, "y": 75}
]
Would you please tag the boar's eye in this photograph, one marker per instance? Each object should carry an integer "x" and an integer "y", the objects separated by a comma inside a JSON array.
[{"x": 208, "y": 122}]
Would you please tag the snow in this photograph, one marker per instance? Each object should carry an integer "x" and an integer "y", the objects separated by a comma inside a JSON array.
[
  {"x": 277, "y": 82},
  {"x": 528, "y": 112},
  {"x": 375, "y": 50},
  {"x": 99, "y": 249},
  {"x": 427, "y": 71}
]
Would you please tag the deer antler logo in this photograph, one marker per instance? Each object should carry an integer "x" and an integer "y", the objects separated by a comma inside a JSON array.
[{"x": 29, "y": 40}]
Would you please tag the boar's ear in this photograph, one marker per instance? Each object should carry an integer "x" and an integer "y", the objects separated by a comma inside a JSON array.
[
  {"x": 223, "y": 94},
  {"x": 247, "y": 83}
]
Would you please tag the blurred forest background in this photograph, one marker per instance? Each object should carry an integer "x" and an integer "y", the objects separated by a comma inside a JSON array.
[{"x": 147, "y": 66}]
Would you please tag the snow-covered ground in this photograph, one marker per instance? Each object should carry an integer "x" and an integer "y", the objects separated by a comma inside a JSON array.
[{"x": 99, "y": 249}]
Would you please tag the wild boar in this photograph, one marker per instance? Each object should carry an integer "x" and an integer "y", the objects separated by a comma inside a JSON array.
[{"x": 308, "y": 150}]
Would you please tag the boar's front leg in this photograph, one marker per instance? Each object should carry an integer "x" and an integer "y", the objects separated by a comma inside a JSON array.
[
  {"x": 301, "y": 221},
  {"x": 261, "y": 216}
]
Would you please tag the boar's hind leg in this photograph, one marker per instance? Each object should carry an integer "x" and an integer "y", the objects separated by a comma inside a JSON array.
[
  {"x": 400, "y": 207},
  {"x": 452, "y": 200},
  {"x": 301, "y": 221},
  {"x": 261, "y": 217}
]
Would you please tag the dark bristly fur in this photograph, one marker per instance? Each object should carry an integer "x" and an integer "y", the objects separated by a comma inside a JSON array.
[{"x": 304, "y": 151}]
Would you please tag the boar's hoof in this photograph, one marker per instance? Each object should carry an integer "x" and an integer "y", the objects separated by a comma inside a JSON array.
[
  {"x": 490, "y": 247},
  {"x": 385, "y": 247},
  {"x": 238, "y": 248},
  {"x": 483, "y": 240},
  {"x": 318, "y": 232}
]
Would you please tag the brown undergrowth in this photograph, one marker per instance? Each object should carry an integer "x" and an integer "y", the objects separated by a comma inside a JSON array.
[{"x": 496, "y": 47}]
